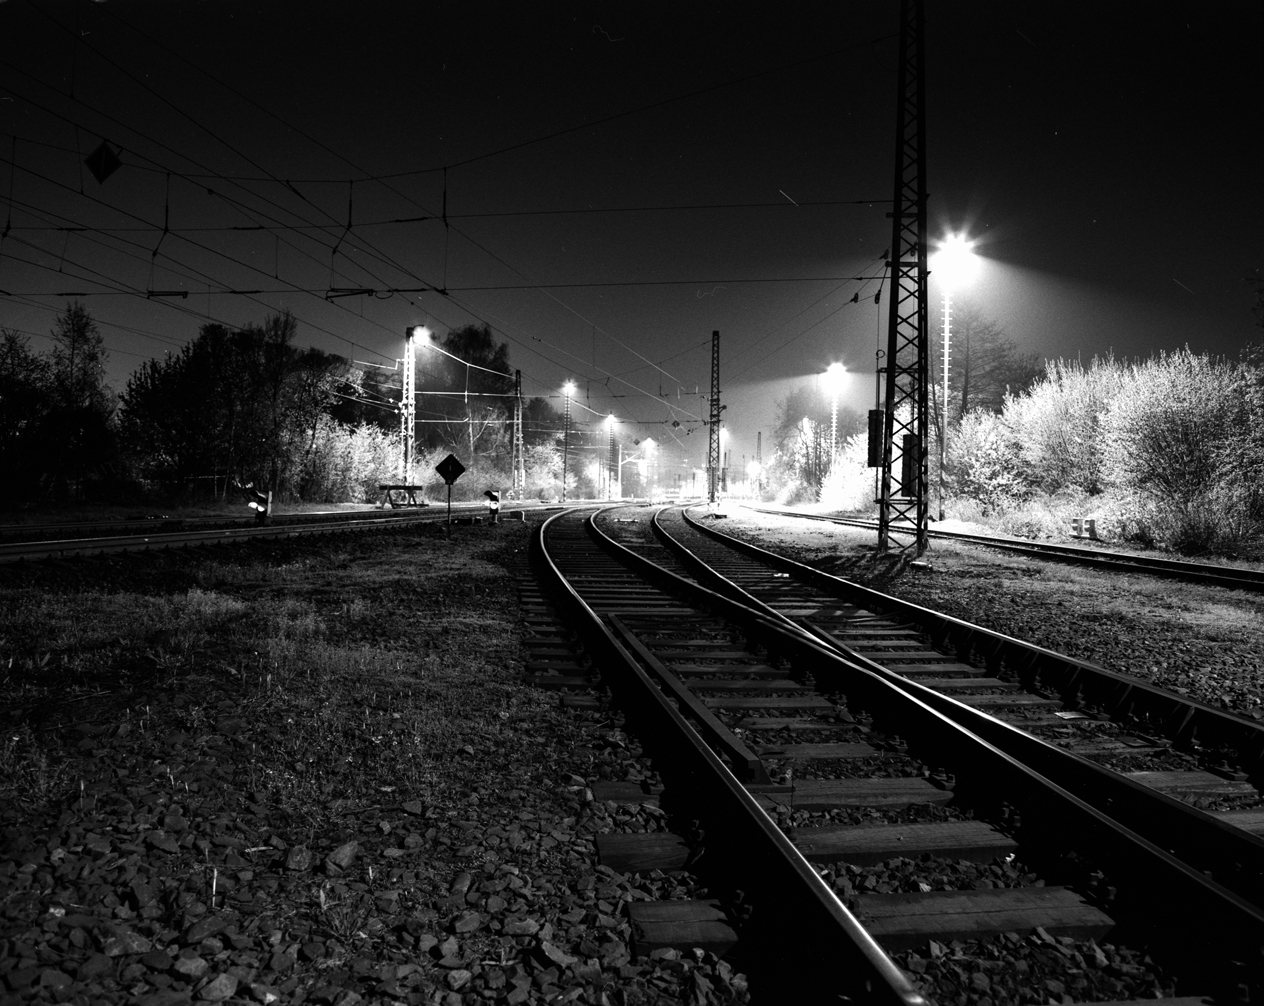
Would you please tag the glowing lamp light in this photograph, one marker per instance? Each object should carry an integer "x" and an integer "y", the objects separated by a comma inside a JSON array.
[
  {"x": 834, "y": 375},
  {"x": 421, "y": 332},
  {"x": 568, "y": 389},
  {"x": 955, "y": 264}
]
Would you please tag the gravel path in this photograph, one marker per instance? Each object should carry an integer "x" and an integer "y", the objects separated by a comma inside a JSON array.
[{"x": 1204, "y": 642}]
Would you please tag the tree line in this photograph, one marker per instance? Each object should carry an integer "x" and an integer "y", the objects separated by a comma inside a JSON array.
[{"x": 248, "y": 406}]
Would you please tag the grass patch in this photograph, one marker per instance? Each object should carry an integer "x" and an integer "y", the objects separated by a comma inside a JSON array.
[{"x": 367, "y": 664}]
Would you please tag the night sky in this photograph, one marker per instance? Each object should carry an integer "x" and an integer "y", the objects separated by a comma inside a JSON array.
[{"x": 621, "y": 179}]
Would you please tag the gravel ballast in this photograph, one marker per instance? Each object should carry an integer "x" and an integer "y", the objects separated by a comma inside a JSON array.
[
  {"x": 1201, "y": 641},
  {"x": 311, "y": 773}
]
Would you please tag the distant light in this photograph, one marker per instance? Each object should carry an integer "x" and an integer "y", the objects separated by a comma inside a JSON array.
[
  {"x": 955, "y": 264},
  {"x": 568, "y": 388}
]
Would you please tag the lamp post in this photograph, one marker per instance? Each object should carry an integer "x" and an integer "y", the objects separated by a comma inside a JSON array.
[
  {"x": 610, "y": 456},
  {"x": 955, "y": 265},
  {"x": 834, "y": 381},
  {"x": 568, "y": 389}
]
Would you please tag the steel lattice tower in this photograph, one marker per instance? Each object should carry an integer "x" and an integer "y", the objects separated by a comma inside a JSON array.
[
  {"x": 519, "y": 458},
  {"x": 713, "y": 425},
  {"x": 903, "y": 501}
]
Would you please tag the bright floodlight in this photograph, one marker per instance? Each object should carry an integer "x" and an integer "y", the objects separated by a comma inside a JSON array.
[
  {"x": 955, "y": 264},
  {"x": 421, "y": 332},
  {"x": 568, "y": 388},
  {"x": 834, "y": 375}
]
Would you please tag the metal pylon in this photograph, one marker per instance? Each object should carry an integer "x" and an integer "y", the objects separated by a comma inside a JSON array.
[
  {"x": 713, "y": 425},
  {"x": 903, "y": 501},
  {"x": 519, "y": 456}
]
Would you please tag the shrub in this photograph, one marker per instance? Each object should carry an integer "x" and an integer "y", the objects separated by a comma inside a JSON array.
[
  {"x": 1057, "y": 424},
  {"x": 346, "y": 464},
  {"x": 1173, "y": 438},
  {"x": 982, "y": 463},
  {"x": 848, "y": 484}
]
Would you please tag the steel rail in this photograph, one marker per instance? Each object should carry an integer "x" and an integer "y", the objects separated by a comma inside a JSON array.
[
  {"x": 1234, "y": 577},
  {"x": 1164, "y": 892},
  {"x": 171, "y": 525},
  {"x": 70, "y": 547},
  {"x": 1208, "y": 843},
  {"x": 825, "y": 931}
]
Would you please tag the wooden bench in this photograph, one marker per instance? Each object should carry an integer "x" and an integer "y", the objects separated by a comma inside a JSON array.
[{"x": 410, "y": 498}]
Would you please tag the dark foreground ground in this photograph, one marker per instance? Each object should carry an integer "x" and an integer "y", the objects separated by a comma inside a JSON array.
[{"x": 308, "y": 773}]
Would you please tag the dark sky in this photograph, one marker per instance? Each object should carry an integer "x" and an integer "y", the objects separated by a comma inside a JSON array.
[{"x": 1104, "y": 155}]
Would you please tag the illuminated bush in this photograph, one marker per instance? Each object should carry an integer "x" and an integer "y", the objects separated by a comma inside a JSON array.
[
  {"x": 848, "y": 484},
  {"x": 983, "y": 463},
  {"x": 1057, "y": 424},
  {"x": 346, "y": 464}
]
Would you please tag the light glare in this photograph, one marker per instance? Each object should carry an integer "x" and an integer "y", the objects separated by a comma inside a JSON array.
[{"x": 955, "y": 264}]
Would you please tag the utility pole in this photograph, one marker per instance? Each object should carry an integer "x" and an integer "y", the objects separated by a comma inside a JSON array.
[
  {"x": 759, "y": 460},
  {"x": 408, "y": 405},
  {"x": 517, "y": 454},
  {"x": 713, "y": 443},
  {"x": 903, "y": 501}
]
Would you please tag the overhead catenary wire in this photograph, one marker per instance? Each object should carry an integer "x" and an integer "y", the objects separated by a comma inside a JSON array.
[
  {"x": 474, "y": 159},
  {"x": 469, "y": 309}
]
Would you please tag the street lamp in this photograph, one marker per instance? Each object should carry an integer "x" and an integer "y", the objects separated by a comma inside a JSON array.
[
  {"x": 610, "y": 456},
  {"x": 834, "y": 383},
  {"x": 568, "y": 389},
  {"x": 955, "y": 264}
]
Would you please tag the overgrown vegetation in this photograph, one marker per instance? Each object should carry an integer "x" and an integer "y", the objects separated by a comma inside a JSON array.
[
  {"x": 1165, "y": 451},
  {"x": 248, "y": 406},
  {"x": 1162, "y": 450}
]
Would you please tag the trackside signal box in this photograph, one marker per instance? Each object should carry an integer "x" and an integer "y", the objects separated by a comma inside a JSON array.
[{"x": 876, "y": 419}]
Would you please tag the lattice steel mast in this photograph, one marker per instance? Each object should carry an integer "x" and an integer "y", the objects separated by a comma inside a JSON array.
[
  {"x": 713, "y": 425},
  {"x": 519, "y": 456},
  {"x": 903, "y": 500}
]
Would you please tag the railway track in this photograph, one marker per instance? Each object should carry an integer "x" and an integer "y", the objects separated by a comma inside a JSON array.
[
  {"x": 791, "y": 761},
  {"x": 1234, "y": 577},
  {"x": 175, "y": 534},
  {"x": 148, "y": 526}
]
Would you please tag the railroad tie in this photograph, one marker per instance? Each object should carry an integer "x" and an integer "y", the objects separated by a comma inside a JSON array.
[
  {"x": 868, "y": 845},
  {"x": 1193, "y": 784},
  {"x": 640, "y": 852},
  {"x": 816, "y": 752},
  {"x": 680, "y": 925},
  {"x": 832, "y": 794},
  {"x": 906, "y": 921}
]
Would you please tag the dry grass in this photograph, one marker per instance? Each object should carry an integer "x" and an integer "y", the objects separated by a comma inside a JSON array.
[{"x": 360, "y": 665}]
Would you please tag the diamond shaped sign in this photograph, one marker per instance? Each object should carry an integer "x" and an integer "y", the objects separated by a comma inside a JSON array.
[
  {"x": 102, "y": 162},
  {"x": 450, "y": 469}
]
